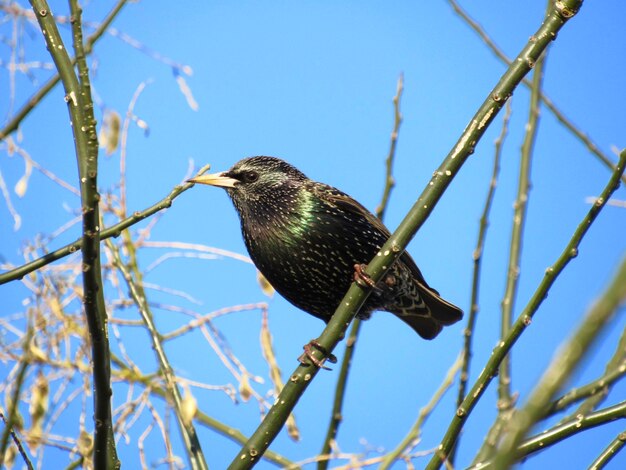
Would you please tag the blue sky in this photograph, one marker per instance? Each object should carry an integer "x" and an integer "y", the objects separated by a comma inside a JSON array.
[{"x": 312, "y": 83}]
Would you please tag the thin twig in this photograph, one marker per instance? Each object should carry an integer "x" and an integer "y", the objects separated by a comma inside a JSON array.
[
  {"x": 506, "y": 400},
  {"x": 389, "y": 179},
  {"x": 558, "y": 114},
  {"x": 598, "y": 388},
  {"x": 525, "y": 318},
  {"x": 560, "y": 432},
  {"x": 15, "y": 397},
  {"x": 17, "y": 442},
  {"x": 113, "y": 231},
  {"x": 517, "y": 235},
  {"x": 200, "y": 417},
  {"x": 39, "y": 95},
  {"x": 267, "y": 348},
  {"x": 468, "y": 333},
  {"x": 564, "y": 364},
  {"x": 611, "y": 451},
  {"x": 414, "y": 434},
  {"x": 617, "y": 363}
]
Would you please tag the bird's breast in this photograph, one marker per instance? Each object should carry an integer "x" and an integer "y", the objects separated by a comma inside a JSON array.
[{"x": 310, "y": 259}]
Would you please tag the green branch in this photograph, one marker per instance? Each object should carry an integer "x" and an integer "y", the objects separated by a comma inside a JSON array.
[
  {"x": 505, "y": 398},
  {"x": 565, "y": 362},
  {"x": 611, "y": 451},
  {"x": 598, "y": 387},
  {"x": 517, "y": 234},
  {"x": 187, "y": 429},
  {"x": 615, "y": 366},
  {"x": 336, "y": 415},
  {"x": 113, "y": 231},
  {"x": 559, "y": 433},
  {"x": 389, "y": 179},
  {"x": 13, "y": 403},
  {"x": 549, "y": 104},
  {"x": 80, "y": 106},
  {"x": 395, "y": 246},
  {"x": 414, "y": 433},
  {"x": 34, "y": 100},
  {"x": 342, "y": 379},
  {"x": 525, "y": 318},
  {"x": 200, "y": 417}
]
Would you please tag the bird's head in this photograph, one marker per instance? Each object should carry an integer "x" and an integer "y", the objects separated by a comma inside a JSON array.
[{"x": 257, "y": 181}]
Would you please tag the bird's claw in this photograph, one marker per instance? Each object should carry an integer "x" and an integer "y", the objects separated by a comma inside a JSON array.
[
  {"x": 307, "y": 358},
  {"x": 363, "y": 279}
]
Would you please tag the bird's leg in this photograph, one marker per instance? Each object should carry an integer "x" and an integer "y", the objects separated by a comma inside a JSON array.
[
  {"x": 363, "y": 279},
  {"x": 308, "y": 354}
]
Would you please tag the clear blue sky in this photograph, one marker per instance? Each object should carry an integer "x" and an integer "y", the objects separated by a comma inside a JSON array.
[{"x": 312, "y": 83}]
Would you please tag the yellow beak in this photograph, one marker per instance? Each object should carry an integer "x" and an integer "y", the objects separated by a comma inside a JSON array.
[{"x": 215, "y": 179}]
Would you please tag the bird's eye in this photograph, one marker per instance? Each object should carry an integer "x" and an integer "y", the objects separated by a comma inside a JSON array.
[{"x": 250, "y": 176}]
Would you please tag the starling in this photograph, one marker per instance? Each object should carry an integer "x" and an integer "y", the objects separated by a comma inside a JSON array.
[{"x": 308, "y": 238}]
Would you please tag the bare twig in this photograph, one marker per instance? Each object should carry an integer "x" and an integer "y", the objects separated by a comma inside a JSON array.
[
  {"x": 564, "y": 363},
  {"x": 506, "y": 399},
  {"x": 468, "y": 333},
  {"x": 190, "y": 438},
  {"x": 113, "y": 231},
  {"x": 611, "y": 451},
  {"x": 34, "y": 100},
  {"x": 525, "y": 318},
  {"x": 414, "y": 434},
  {"x": 560, "y": 432},
  {"x": 558, "y": 114},
  {"x": 15, "y": 397},
  {"x": 616, "y": 365}
]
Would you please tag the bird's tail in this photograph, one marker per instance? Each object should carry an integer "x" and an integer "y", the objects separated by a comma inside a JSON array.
[{"x": 432, "y": 314}]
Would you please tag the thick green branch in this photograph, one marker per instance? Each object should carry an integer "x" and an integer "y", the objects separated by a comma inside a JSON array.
[
  {"x": 80, "y": 106},
  {"x": 395, "y": 246}
]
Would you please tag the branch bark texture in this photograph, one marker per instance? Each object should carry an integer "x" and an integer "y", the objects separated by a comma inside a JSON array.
[{"x": 80, "y": 106}]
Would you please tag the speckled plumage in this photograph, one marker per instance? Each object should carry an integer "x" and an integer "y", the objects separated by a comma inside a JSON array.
[{"x": 305, "y": 237}]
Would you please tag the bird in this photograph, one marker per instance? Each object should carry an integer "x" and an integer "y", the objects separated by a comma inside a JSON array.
[{"x": 311, "y": 241}]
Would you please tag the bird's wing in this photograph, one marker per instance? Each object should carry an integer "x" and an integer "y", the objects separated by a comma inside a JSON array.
[
  {"x": 346, "y": 203},
  {"x": 442, "y": 312}
]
